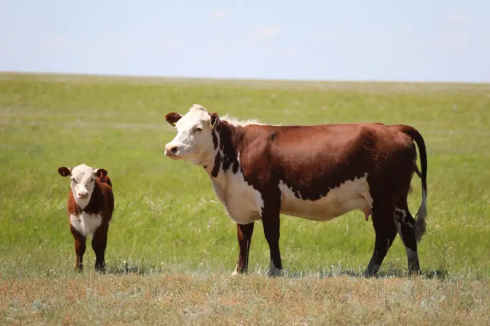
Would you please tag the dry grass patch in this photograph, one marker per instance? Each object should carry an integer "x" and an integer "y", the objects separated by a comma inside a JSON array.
[{"x": 218, "y": 299}]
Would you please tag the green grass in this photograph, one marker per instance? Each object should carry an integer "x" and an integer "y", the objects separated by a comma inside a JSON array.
[{"x": 167, "y": 217}]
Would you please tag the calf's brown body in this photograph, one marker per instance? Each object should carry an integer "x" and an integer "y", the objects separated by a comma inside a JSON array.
[{"x": 99, "y": 208}]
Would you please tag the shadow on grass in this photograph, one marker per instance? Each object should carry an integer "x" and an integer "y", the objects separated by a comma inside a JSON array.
[
  {"x": 390, "y": 271},
  {"x": 137, "y": 268}
]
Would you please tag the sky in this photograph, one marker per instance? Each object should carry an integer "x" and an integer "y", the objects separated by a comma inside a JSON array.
[{"x": 354, "y": 40}]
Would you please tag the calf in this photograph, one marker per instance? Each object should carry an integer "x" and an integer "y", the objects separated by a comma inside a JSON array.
[
  {"x": 316, "y": 172},
  {"x": 90, "y": 207}
]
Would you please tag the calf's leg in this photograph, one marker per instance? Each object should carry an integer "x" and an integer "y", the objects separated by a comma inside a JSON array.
[
  {"x": 80, "y": 246},
  {"x": 99, "y": 243}
]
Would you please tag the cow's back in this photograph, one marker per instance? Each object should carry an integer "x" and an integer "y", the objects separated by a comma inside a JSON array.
[{"x": 307, "y": 157}]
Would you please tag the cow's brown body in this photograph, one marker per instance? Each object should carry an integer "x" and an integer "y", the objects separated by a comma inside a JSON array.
[{"x": 317, "y": 172}]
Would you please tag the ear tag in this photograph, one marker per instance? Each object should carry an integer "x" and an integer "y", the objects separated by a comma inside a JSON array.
[{"x": 214, "y": 124}]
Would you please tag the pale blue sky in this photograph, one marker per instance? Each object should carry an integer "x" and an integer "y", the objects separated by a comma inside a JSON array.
[{"x": 404, "y": 40}]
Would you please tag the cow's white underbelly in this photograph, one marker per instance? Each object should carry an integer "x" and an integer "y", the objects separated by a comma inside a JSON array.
[
  {"x": 244, "y": 204},
  {"x": 350, "y": 195},
  {"x": 85, "y": 223}
]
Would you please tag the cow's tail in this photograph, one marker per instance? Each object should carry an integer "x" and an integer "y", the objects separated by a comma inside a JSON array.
[{"x": 422, "y": 212}]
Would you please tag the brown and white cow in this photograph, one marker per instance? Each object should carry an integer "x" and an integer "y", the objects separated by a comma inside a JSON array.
[
  {"x": 90, "y": 207},
  {"x": 316, "y": 172}
]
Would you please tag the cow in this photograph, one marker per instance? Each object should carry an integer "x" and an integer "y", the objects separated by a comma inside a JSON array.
[
  {"x": 90, "y": 208},
  {"x": 317, "y": 172}
]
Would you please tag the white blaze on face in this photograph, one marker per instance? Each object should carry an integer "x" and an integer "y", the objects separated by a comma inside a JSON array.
[
  {"x": 194, "y": 140},
  {"x": 82, "y": 184}
]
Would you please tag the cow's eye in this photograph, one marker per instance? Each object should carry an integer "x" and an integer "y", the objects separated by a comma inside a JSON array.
[
  {"x": 198, "y": 129},
  {"x": 73, "y": 179}
]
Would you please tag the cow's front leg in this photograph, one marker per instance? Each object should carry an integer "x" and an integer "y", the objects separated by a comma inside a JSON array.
[
  {"x": 271, "y": 222},
  {"x": 99, "y": 244},
  {"x": 80, "y": 246},
  {"x": 244, "y": 234}
]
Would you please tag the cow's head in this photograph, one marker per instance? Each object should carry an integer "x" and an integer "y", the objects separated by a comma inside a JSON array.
[
  {"x": 82, "y": 181},
  {"x": 194, "y": 141}
]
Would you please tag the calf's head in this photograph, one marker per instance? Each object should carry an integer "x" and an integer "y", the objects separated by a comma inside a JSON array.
[
  {"x": 194, "y": 141},
  {"x": 82, "y": 181}
]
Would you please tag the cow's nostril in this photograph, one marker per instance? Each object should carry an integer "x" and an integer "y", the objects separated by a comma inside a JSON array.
[{"x": 171, "y": 150}]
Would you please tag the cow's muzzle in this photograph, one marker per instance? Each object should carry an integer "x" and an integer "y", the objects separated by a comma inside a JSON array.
[
  {"x": 83, "y": 195},
  {"x": 171, "y": 150}
]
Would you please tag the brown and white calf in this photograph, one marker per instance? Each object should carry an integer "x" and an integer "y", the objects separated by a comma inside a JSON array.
[
  {"x": 90, "y": 207},
  {"x": 316, "y": 172}
]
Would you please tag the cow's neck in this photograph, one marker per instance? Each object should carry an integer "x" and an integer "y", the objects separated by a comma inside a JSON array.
[{"x": 224, "y": 160}]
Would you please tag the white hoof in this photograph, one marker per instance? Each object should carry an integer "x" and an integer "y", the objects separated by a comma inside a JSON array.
[{"x": 235, "y": 273}]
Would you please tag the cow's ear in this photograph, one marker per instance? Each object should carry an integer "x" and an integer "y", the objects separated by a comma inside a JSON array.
[
  {"x": 172, "y": 118},
  {"x": 214, "y": 120},
  {"x": 64, "y": 171},
  {"x": 101, "y": 172}
]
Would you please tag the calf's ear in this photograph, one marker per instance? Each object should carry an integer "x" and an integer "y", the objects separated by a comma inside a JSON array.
[
  {"x": 64, "y": 171},
  {"x": 214, "y": 120},
  {"x": 101, "y": 172},
  {"x": 172, "y": 118}
]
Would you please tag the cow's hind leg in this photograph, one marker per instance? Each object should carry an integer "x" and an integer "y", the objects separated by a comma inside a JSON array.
[
  {"x": 244, "y": 234},
  {"x": 385, "y": 229},
  {"x": 405, "y": 224}
]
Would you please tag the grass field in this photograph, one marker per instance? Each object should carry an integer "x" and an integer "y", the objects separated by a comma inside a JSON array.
[{"x": 171, "y": 246}]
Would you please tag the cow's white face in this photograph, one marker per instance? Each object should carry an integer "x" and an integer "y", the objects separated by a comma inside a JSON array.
[
  {"x": 194, "y": 140},
  {"x": 82, "y": 182}
]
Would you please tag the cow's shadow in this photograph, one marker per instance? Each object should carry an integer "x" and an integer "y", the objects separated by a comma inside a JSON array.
[{"x": 388, "y": 272}]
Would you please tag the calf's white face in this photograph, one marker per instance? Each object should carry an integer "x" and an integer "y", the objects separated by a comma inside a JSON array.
[
  {"x": 194, "y": 140},
  {"x": 82, "y": 182}
]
